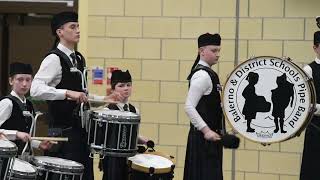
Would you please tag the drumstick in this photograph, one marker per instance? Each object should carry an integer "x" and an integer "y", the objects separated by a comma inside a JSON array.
[{"x": 50, "y": 138}]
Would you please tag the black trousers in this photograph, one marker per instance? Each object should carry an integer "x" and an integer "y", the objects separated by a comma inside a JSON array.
[{"x": 311, "y": 152}]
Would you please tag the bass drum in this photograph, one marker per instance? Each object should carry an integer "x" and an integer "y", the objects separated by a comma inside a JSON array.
[{"x": 268, "y": 99}]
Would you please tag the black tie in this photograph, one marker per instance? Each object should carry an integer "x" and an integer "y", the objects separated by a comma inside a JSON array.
[
  {"x": 74, "y": 59},
  {"x": 125, "y": 107}
]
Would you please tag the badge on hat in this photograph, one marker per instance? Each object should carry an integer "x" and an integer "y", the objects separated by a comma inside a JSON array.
[
  {"x": 19, "y": 68},
  {"x": 61, "y": 18}
]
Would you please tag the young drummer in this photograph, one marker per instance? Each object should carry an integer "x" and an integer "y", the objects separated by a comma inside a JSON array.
[
  {"x": 13, "y": 124},
  {"x": 115, "y": 168}
]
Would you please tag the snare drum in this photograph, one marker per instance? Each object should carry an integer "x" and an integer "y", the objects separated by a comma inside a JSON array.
[
  {"x": 113, "y": 133},
  {"x": 151, "y": 166},
  {"x": 268, "y": 99},
  {"x": 50, "y": 168},
  {"x": 8, "y": 150},
  {"x": 22, "y": 170}
]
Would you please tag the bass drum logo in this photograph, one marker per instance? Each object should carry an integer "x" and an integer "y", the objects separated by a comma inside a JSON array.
[{"x": 268, "y": 99}]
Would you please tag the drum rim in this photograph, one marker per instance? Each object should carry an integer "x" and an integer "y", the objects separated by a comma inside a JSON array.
[
  {"x": 119, "y": 117},
  {"x": 312, "y": 100},
  {"x": 55, "y": 167},
  {"x": 156, "y": 171},
  {"x": 113, "y": 120},
  {"x": 8, "y": 151}
]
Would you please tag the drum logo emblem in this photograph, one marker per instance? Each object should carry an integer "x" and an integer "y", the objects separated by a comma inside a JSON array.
[
  {"x": 267, "y": 99},
  {"x": 123, "y": 143}
]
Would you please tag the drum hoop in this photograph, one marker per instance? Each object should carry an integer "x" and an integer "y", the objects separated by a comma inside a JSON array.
[
  {"x": 111, "y": 116},
  {"x": 118, "y": 154},
  {"x": 156, "y": 171},
  {"x": 312, "y": 100},
  {"x": 57, "y": 167},
  {"x": 117, "y": 121},
  {"x": 8, "y": 151}
]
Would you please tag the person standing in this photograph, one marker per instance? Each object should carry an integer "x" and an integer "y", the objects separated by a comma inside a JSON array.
[
  {"x": 203, "y": 107},
  {"x": 311, "y": 156}
]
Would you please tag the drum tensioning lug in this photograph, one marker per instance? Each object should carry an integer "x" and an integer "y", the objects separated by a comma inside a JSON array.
[
  {"x": 151, "y": 171},
  {"x": 265, "y": 144},
  {"x": 172, "y": 168},
  {"x": 287, "y": 58}
]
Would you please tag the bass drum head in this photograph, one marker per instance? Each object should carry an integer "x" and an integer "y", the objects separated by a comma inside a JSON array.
[
  {"x": 268, "y": 99},
  {"x": 143, "y": 162}
]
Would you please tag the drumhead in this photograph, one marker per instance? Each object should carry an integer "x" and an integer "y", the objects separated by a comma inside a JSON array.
[
  {"x": 116, "y": 115},
  {"x": 23, "y": 169},
  {"x": 7, "y": 148},
  {"x": 143, "y": 162},
  {"x": 55, "y": 164},
  {"x": 265, "y": 91}
]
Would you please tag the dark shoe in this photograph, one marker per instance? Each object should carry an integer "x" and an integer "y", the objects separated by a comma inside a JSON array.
[
  {"x": 276, "y": 130},
  {"x": 283, "y": 131},
  {"x": 250, "y": 130}
]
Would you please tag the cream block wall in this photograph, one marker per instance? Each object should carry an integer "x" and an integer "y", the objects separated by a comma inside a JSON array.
[{"x": 156, "y": 41}]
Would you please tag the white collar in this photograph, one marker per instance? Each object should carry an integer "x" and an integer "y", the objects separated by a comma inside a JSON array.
[
  {"x": 13, "y": 93},
  {"x": 202, "y": 62},
  {"x": 317, "y": 60},
  {"x": 64, "y": 49}
]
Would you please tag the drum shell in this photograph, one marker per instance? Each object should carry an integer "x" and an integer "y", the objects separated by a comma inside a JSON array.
[
  {"x": 47, "y": 167},
  {"x": 113, "y": 135}
]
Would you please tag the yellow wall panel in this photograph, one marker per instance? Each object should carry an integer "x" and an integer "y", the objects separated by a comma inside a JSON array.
[
  {"x": 161, "y": 27},
  {"x": 124, "y": 27},
  {"x": 160, "y": 70},
  {"x": 271, "y": 8},
  {"x": 181, "y": 8},
  {"x": 105, "y": 47},
  {"x": 96, "y": 26},
  {"x": 160, "y": 113},
  {"x": 142, "y": 48},
  {"x": 143, "y": 8},
  {"x": 283, "y": 29},
  {"x": 106, "y": 7}
]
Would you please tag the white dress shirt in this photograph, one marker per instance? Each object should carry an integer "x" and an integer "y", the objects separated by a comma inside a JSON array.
[
  {"x": 49, "y": 76},
  {"x": 308, "y": 70},
  {"x": 200, "y": 85},
  {"x": 6, "y": 107}
]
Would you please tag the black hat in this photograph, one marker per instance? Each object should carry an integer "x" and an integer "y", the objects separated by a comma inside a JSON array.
[
  {"x": 209, "y": 39},
  {"x": 20, "y": 68},
  {"x": 230, "y": 141},
  {"x": 61, "y": 18},
  {"x": 118, "y": 76},
  {"x": 316, "y": 38}
]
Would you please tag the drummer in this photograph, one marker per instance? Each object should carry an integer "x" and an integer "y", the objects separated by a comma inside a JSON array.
[
  {"x": 311, "y": 155},
  {"x": 13, "y": 123},
  {"x": 115, "y": 168},
  {"x": 62, "y": 89}
]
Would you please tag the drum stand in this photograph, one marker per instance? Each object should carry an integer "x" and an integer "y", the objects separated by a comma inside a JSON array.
[
  {"x": 83, "y": 112},
  {"x": 32, "y": 133}
]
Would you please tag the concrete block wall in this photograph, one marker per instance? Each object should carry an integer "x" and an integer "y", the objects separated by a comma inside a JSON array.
[{"x": 156, "y": 41}]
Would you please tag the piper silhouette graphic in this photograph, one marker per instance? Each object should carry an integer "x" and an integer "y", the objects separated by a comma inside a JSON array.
[
  {"x": 253, "y": 102},
  {"x": 281, "y": 96}
]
